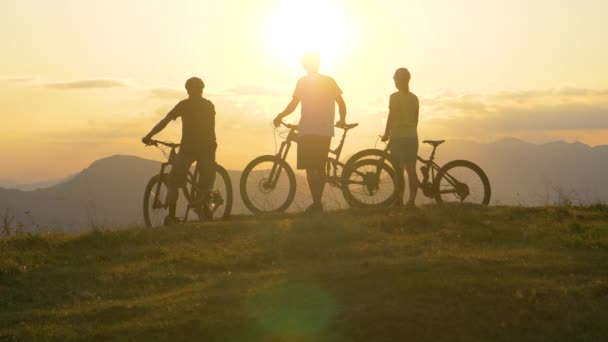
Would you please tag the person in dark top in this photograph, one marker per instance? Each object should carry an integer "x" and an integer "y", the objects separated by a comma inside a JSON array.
[
  {"x": 319, "y": 95},
  {"x": 402, "y": 130},
  {"x": 198, "y": 142}
]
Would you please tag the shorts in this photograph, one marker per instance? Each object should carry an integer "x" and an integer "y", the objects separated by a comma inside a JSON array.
[
  {"x": 206, "y": 165},
  {"x": 313, "y": 152},
  {"x": 404, "y": 150}
]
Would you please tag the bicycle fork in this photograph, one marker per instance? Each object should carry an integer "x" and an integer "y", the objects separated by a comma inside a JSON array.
[
  {"x": 157, "y": 201},
  {"x": 275, "y": 172}
]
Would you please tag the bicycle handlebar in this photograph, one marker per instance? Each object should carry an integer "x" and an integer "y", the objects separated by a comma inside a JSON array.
[
  {"x": 164, "y": 143},
  {"x": 346, "y": 127},
  {"x": 290, "y": 126}
]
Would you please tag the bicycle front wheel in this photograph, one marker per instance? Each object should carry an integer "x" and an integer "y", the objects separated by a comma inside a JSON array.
[
  {"x": 461, "y": 181},
  {"x": 369, "y": 183},
  {"x": 155, "y": 201},
  {"x": 268, "y": 185}
]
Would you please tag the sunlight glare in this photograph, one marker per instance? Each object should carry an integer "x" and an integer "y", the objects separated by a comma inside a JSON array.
[{"x": 320, "y": 26}]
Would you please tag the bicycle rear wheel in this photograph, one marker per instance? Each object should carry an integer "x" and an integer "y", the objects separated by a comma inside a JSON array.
[
  {"x": 217, "y": 202},
  {"x": 369, "y": 183},
  {"x": 461, "y": 181},
  {"x": 219, "y": 205},
  {"x": 155, "y": 205},
  {"x": 268, "y": 185}
]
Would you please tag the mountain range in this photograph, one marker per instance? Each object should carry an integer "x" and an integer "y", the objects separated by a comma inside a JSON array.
[{"x": 108, "y": 194}]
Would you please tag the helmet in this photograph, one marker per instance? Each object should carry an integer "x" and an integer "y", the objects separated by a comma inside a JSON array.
[
  {"x": 402, "y": 74},
  {"x": 195, "y": 83}
]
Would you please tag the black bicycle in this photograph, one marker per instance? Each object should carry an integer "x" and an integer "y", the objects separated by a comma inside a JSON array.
[
  {"x": 458, "y": 181},
  {"x": 268, "y": 183},
  {"x": 208, "y": 205}
]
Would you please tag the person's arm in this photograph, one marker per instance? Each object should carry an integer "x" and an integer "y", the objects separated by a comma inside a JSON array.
[
  {"x": 342, "y": 110},
  {"x": 417, "y": 112},
  {"x": 172, "y": 115},
  {"x": 340, "y": 101},
  {"x": 291, "y": 107},
  {"x": 389, "y": 121},
  {"x": 157, "y": 129}
]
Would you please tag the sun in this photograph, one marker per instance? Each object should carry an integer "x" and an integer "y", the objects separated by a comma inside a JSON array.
[{"x": 320, "y": 26}]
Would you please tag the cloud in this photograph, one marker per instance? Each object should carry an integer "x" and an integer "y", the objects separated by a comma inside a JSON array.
[
  {"x": 506, "y": 113},
  {"x": 167, "y": 93},
  {"x": 260, "y": 89},
  {"x": 97, "y": 132},
  {"x": 20, "y": 79},
  {"x": 87, "y": 84}
]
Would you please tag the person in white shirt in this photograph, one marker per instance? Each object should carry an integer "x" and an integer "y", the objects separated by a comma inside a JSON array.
[{"x": 318, "y": 94}]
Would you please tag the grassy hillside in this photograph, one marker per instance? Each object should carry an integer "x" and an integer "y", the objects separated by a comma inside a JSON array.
[{"x": 439, "y": 273}]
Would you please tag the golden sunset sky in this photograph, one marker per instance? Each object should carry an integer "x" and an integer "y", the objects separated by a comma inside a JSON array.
[{"x": 82, "y": 80}]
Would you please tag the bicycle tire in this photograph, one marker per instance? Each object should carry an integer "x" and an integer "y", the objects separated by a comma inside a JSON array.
[
  {"x": 375, "y": 153},
  {"x": 464, "y": 164},
  {"x": 356, "y": 203},
  {"x": 247, "y": 200},
  {"x": 221, "y": 172},
  {"x": 150, "y": 187},
  {"x": 229, "y": 193}
]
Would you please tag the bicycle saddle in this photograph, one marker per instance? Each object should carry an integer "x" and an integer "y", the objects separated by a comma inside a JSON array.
[
  {"x": 349, "y": 127},
  {"x": 434, "y": 143}
]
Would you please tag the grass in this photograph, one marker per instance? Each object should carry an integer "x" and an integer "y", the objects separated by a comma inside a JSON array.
[{"x": 438, "y": 273}]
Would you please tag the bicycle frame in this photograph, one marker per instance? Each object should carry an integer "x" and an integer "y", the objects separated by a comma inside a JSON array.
[
  {"x": 429, "y": 172},
  {"x": 191, "y": 178},
  {"x": 333, "y": 163}
]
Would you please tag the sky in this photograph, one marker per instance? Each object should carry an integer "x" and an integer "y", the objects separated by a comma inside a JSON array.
[{"x": 83, "y": 80}]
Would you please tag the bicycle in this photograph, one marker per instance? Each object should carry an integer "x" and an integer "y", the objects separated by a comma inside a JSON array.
[
  {"x": 214, "y": 205},
  {"x": 457, "y": 181},
  {"x": 268, "y": 183}
]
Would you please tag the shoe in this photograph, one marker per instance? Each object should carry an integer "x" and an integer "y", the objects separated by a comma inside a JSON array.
[
  {"x": 207, "y": 212},
  {"x": 410, "y": 205},
  {"x": 398, "y": 204},
  {"x": 170, "y": 220},
  {"x": 314, "y": 208}
]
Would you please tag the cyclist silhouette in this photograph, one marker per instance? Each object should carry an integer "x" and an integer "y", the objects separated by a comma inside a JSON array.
[
  {"x": 402, "y": 130},
  {"x": 198, "y": 142},
  {"x": 318, "y": 94}
]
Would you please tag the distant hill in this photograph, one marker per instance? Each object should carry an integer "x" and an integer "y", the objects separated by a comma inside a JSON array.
[
  {"x": 109, "y": 192},
  {"x": 522, "y": 173},
  {"x": 10, "y": 184}
]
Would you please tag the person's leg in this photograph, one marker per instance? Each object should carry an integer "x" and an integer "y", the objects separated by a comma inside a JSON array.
[
  {"x": 312, "y": 156},
  {"x": 206, "y": 182},
  {"x": 412, "y": 178},
  {"x": 316, "y": 184},
  {"x": 177, "y": 179},
  {"x": 410, "y": 158},
  {"x": 206, "y": 169},
  {"x": 396, "y": 151}
]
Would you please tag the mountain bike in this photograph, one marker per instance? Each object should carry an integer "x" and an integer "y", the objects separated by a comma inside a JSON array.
[
  {"x": 458, "y": 181},
  {"x": 207, "y": 205},
  {"x": 268, "y": 183}
]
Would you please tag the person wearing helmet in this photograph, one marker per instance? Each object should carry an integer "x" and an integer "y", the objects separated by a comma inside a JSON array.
[
  {"x": 318, "y": 94},
  {"x": 402, "y": 130},
  {"x": 198, "y": 142}
]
